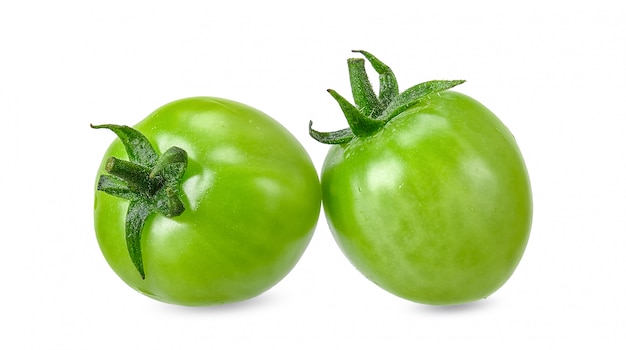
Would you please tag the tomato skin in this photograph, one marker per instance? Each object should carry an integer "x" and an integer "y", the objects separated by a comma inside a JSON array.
[
  {"x": 435, "y": 207},
  {"x": 252, "y": 200}
]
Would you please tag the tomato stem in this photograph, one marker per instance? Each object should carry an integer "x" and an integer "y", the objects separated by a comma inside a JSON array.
[
  {"x": 149, "y": 181},
  {"x": 370, "y": 112},
  {"x": 137, "y": 176}
]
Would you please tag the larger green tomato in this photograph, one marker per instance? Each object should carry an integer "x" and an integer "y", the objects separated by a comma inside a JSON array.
[
  {"x": 226, "y": 226},
  {"x": 434, "y": 204}
]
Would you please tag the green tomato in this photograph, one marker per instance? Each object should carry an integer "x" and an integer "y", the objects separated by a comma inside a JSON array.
[
  {"x": 435, "y": 205},
  {"x": 245, "y": 207}
]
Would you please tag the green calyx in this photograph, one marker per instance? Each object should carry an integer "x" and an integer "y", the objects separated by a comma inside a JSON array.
[
  {"x": 370, "y": 112},
  {"x": 149, "y": 181}
]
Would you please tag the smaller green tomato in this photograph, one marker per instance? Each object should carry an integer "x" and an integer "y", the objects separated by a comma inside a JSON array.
[
  {"x": 221, "y": 215},
  {"x": 427, "y": 194}
]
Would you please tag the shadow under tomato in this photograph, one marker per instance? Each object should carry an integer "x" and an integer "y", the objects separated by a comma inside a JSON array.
[
  {"x": 479, "y": 305},
  {"x": 261, "y": 301}
]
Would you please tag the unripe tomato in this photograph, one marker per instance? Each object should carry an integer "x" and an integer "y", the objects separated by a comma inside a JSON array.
[
  {"x": 250, "y": 200},
  {"x": 433, "y": 203}
]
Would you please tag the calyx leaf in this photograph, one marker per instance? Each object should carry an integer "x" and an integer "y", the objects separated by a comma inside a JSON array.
[
  {"x": 149, "y": 181},
  {"x": 371, "y": 112}
]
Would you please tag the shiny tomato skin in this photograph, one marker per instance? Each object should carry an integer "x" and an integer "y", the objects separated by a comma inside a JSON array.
[
  {"x": 436, "y": 207},
  {"x": 252, "y": 200}
]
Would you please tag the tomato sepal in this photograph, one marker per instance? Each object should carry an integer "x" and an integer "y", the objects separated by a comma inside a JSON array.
[
  {"x": 387, "y": 80},
  {"x": 333, "y": 137}
]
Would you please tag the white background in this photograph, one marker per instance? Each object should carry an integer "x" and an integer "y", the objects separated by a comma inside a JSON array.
[{"x": 553, "y": 71}]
